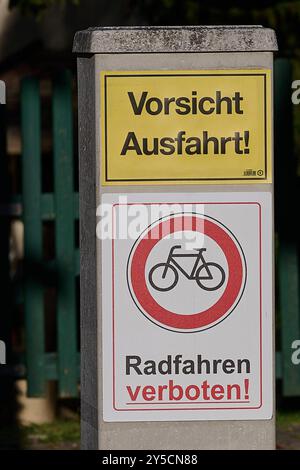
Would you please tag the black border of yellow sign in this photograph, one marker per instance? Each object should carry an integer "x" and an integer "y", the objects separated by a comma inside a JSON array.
[{"x": 267, "y": 178}]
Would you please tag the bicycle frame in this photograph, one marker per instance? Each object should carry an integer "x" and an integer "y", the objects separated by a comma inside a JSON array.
[{"x": 199, "y": 257}]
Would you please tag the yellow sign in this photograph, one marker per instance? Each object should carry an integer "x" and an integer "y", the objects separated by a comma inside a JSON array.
[{"x": 186, "y": 127}]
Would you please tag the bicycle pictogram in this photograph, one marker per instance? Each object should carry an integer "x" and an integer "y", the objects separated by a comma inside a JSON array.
[{"x": 208, "y": 275}]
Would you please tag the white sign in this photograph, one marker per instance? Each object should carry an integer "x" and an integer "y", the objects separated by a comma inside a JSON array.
[{"x": 187, "y": 306}]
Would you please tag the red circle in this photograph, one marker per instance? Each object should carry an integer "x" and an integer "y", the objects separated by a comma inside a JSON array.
[{"x": 177, "y": 320}]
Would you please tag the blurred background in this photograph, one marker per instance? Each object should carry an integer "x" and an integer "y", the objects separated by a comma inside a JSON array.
[{"x": 39, "y": 259}]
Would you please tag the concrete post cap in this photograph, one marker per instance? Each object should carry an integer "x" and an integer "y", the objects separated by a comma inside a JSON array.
[{"x": 168, "y": 39}]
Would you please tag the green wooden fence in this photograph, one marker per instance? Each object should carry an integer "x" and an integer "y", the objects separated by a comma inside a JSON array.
[
  {"x": 286, "y": 200},
  {"x": 61, "y": 206}
]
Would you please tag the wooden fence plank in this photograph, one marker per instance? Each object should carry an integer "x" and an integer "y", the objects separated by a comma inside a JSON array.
[
  {"x": 65, "y": 234},
  {"x": 33, "y": 244}
]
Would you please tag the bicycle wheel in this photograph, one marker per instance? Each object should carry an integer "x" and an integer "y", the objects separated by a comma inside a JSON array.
[
  {"x": 156, "y": 277},
  {"x": 217, "y": 279}
]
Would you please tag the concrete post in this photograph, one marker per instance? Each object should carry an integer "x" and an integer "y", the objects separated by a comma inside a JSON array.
[{"x": 154, "y": 49}]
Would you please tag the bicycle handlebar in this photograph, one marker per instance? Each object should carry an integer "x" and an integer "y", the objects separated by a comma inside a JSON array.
[{"x": 180, "y": 246}]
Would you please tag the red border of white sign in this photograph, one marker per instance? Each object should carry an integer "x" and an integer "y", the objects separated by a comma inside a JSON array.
[{"x": 222, "y": 307}]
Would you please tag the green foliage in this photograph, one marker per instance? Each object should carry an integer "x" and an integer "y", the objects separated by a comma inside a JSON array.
[
  {"x": 283, "y": 15},
  {"x": 36, "y": 7}
]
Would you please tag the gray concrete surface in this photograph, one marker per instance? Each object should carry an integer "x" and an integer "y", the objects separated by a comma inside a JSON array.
[{"x": 174, "y": 39}]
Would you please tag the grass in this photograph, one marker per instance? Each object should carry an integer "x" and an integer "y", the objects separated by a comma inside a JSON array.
[
  {"x": 288, "y": 430},
  {"x": 286, "y": 419},
  {"x": 61, "y": 434},
  {"x": 52, "y": 433},
  {"x": 65, "y": 434}
]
